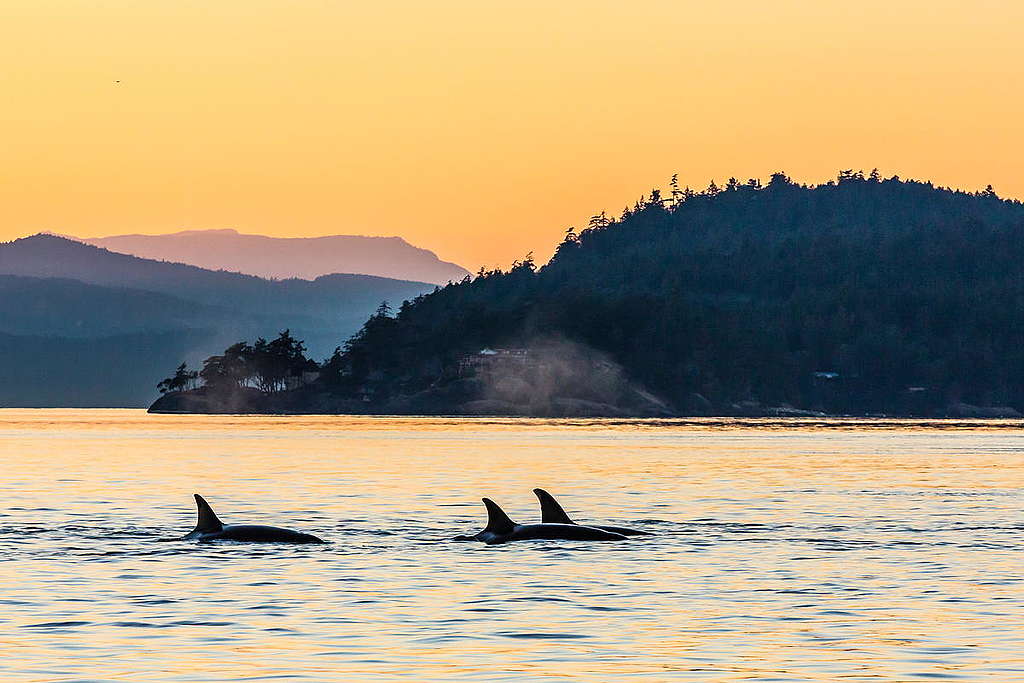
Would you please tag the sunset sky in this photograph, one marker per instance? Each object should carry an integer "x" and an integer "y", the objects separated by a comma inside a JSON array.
[{"x": 481, "y": 130}]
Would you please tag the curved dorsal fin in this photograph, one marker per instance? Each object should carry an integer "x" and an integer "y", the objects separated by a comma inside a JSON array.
[
  {"x": 497, "y": 521},
  {"x": 550, "y": 511},
  {"x": 207, "y": 521}
]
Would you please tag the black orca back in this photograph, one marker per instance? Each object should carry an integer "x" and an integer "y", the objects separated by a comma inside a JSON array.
[
  {"x": 564, "y": 532},
  {"x": 552, "y": 513},
  {"x": 210, "y": 528},
  {"x": 258, "y": 533}
]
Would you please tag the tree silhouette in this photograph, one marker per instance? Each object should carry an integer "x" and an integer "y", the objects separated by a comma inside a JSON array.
[{"x": 183, "y": 379}]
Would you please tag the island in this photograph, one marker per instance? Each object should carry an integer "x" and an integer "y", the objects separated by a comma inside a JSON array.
[{"x": 861, "y": 296}]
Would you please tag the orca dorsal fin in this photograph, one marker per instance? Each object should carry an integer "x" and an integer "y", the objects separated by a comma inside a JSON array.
[
  {"x": 497, "y": 521},
  {"x": 207, "y": 521},
  {"x": 550, "y": 511}
]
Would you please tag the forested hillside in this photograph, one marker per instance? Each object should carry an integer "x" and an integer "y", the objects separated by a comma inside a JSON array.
[{"x": 860, "y": 295}]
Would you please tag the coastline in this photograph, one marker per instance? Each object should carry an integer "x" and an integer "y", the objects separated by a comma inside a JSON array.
[{"x": 307, "y": 401}]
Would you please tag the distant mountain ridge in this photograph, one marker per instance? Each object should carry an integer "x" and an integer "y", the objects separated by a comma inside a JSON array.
[
  {"x": 82, "y": 323},
  {"x": 287, "y": 257},
  {"x": 336, "y": 297},
  {"x": 72, "y": 308}
]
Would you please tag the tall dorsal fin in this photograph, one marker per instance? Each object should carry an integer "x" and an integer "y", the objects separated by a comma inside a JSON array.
[
  {"x": 497, "y": 521},
  {"x": 550, "y": 511},
  {"x": 207, "y": 521}
]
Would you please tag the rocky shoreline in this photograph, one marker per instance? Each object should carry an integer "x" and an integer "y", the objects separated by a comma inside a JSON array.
[
  {"x": 449, "y": 400},
  {"x": 461, "y": 400}
]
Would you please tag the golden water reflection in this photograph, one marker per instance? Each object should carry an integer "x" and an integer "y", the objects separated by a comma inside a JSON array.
[{"x": 785, "y": 549}]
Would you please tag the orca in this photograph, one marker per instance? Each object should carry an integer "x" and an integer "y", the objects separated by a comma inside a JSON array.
[
  {"x": 552, "y": 513},
  {"x": 210, "y": 528},
  {"x": 501, "y": 529}
]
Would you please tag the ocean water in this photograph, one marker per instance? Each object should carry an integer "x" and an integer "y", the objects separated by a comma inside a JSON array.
[{"x": 785, "y": 550}]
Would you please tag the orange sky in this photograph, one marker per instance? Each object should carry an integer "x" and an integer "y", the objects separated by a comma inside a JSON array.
[{"x": 481, "y": 129}]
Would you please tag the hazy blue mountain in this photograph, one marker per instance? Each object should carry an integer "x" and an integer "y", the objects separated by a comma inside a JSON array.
[
  {"x": 276, "y": 257},
  {"x": 106, "y": 372},
  {"x": 324, "y": 310},
  {"x": 71, "y": 308},
  {"x": 122, "y": 318}
]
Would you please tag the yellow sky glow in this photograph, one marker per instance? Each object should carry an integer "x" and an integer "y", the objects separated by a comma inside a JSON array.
[{"x": 481, "y": 130}]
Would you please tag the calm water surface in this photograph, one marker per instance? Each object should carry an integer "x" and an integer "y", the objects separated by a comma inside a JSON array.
[{"x": 785, "y": 550}]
